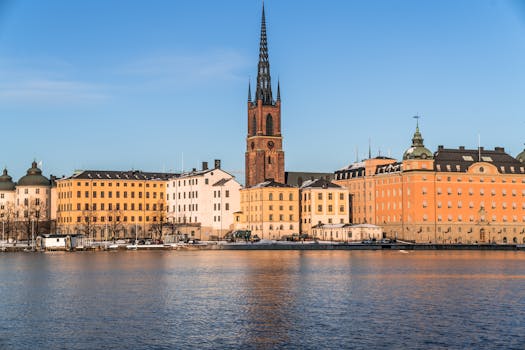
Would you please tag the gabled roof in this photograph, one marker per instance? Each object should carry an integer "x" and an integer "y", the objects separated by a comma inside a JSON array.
[{"x": 221, "y": 182}]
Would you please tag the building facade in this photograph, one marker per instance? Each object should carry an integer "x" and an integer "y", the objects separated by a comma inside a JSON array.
[
  {"x": 264, "y": 158},
  {"x": 270, "y": 210},
  {"x": 109, "y": 205},
  {"x": 450, "y": 196},
  {"x": 201, "y": 203},
  {"x": 25, "y": 206},
  {"x": 322, "y": 202}
]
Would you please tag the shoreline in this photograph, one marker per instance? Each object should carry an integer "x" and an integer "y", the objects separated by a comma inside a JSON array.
[{"x": 290, "y": 246}]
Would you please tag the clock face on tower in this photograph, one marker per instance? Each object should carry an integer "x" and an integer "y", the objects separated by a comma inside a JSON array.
[{"x": 270, "y": 144}]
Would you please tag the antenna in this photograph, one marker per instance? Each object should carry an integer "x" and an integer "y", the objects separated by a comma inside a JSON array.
[
  {"x": 356, "y": 154},
  {"x": 369, "y": 148},
  {"x": 182, "y": 164}
]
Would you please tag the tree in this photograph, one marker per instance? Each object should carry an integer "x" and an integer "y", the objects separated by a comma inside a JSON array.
[
  {"x": 160, "y": 220},
  {"x": 88, "y": 222},
  {"x": 114, "y": 222},
  {"x": 8, "y": 217},
  {"x": 34, "y": 217}
]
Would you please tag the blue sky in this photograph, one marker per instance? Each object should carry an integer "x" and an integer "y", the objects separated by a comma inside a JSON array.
[{"x": 137, "y": 84}]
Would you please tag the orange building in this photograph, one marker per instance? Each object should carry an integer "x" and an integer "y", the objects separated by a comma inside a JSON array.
[
  {"x": 112, "y": 204},
  {"x": 450, "y": 196}
]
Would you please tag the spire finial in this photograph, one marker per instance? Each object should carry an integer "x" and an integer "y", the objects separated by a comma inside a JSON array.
[
  {"x": 264, "y": 85},
  {"x": 417, "y": 140},
  {"x": 278, "y": 90}
]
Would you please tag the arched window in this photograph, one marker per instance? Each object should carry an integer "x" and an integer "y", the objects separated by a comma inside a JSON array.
[
  {"x": 254, "y": 125},
  {"x": 269, "y": 125}
]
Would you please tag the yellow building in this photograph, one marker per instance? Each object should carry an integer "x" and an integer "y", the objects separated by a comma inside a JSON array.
[
  {"x": 323, "y": 202},
  {"x": 269, "y": 209},
  {"x": 112, "y": 204}
]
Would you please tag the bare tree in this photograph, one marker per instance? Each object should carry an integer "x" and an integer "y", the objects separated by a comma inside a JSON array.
[
  {"x": 8, "y": 217},
  {"x": 88, "y": 222},
  {"x": 34, "y": 217},
  {"x": 160, "y": 220},
  {"x": 114, "y": 222}
]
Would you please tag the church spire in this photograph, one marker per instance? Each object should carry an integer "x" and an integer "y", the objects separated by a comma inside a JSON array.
[
  {"x": 278, "y": 90},
  {"x": 249, "y": 91},
  {"x": 264, "y": 84}
]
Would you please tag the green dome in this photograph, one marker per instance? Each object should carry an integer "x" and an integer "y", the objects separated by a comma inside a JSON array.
[
  {"x": 6, "y": 182},
  {"x": 34, "y": 177},
  {"x": 418, "y": 149},
  {"x": 521, "y": 157}
]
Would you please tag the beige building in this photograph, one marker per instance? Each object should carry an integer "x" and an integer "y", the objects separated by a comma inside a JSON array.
[
  {"x": 201, "y": 203},
  {"x": 269, "y": 209},
  {"x": 323, "y": 202}
]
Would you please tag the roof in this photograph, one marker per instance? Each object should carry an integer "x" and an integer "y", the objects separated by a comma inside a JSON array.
[
  {"x": 296, "y": 178},
  {"x": 120, "y": 175},
  {"x": 331, "y": 226},
  {"x": 319, "y": 183},
  {"x": 389, "y": 168},
  {"x": 34, "y": 177},
  {"x": 6, "y": 182},
  {"x": 221, "y": 182},
  {"x": 351, "y": 171},
  {"x": 270, "y": 183},
  {"x": 460, "y": 159}
]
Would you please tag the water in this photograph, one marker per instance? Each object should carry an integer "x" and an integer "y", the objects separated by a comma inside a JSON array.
[{"x": 262, "y": 300}]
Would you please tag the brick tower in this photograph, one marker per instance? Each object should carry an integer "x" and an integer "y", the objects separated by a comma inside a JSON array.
[{"x": 264, "y": 143}]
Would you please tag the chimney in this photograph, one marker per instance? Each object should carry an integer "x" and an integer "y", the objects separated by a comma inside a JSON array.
[
  {"x": 194, "y": 170},
  {"x": 461, "y": 148},
  {"x": 217, "y": 163},
  {"x": 204, "y": 165}
]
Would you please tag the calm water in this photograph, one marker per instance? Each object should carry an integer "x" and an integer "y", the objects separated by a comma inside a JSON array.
[{"x": 261, "y": 300}]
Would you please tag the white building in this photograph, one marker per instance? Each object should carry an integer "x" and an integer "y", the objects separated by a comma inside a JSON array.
[
  {"x": 347, "y": 232},
  {"x": 201, "y": 203}
]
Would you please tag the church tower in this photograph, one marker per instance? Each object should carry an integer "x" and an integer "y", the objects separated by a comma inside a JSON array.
[{"x": 264, "y": 143}]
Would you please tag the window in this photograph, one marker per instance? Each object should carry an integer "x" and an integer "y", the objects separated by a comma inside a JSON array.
[
  {"x": 269, "y": 125},
  {"x": 320, "y": 196}
]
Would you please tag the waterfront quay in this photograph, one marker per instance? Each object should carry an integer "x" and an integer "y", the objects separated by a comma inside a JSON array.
[{"x": 273, "y": 245}]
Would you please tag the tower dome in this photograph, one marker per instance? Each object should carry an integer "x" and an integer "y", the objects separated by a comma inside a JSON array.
[
  {"x": 6, "y": 182},
  {"x": 34, "y": 177},
  {"x": 418, "y": 149}
]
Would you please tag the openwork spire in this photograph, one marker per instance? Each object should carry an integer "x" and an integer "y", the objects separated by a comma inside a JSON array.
[{"x": 264, "y": 84}]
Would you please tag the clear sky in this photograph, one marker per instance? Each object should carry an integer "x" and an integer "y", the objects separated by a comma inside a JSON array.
[{"x": 142, "y": 84}]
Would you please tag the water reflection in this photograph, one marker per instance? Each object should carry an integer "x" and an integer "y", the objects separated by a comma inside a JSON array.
[{"x": 303, "y": 300}]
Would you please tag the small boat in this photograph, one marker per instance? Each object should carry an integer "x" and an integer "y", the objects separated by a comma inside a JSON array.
[{"x": 113, "y": 246}]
